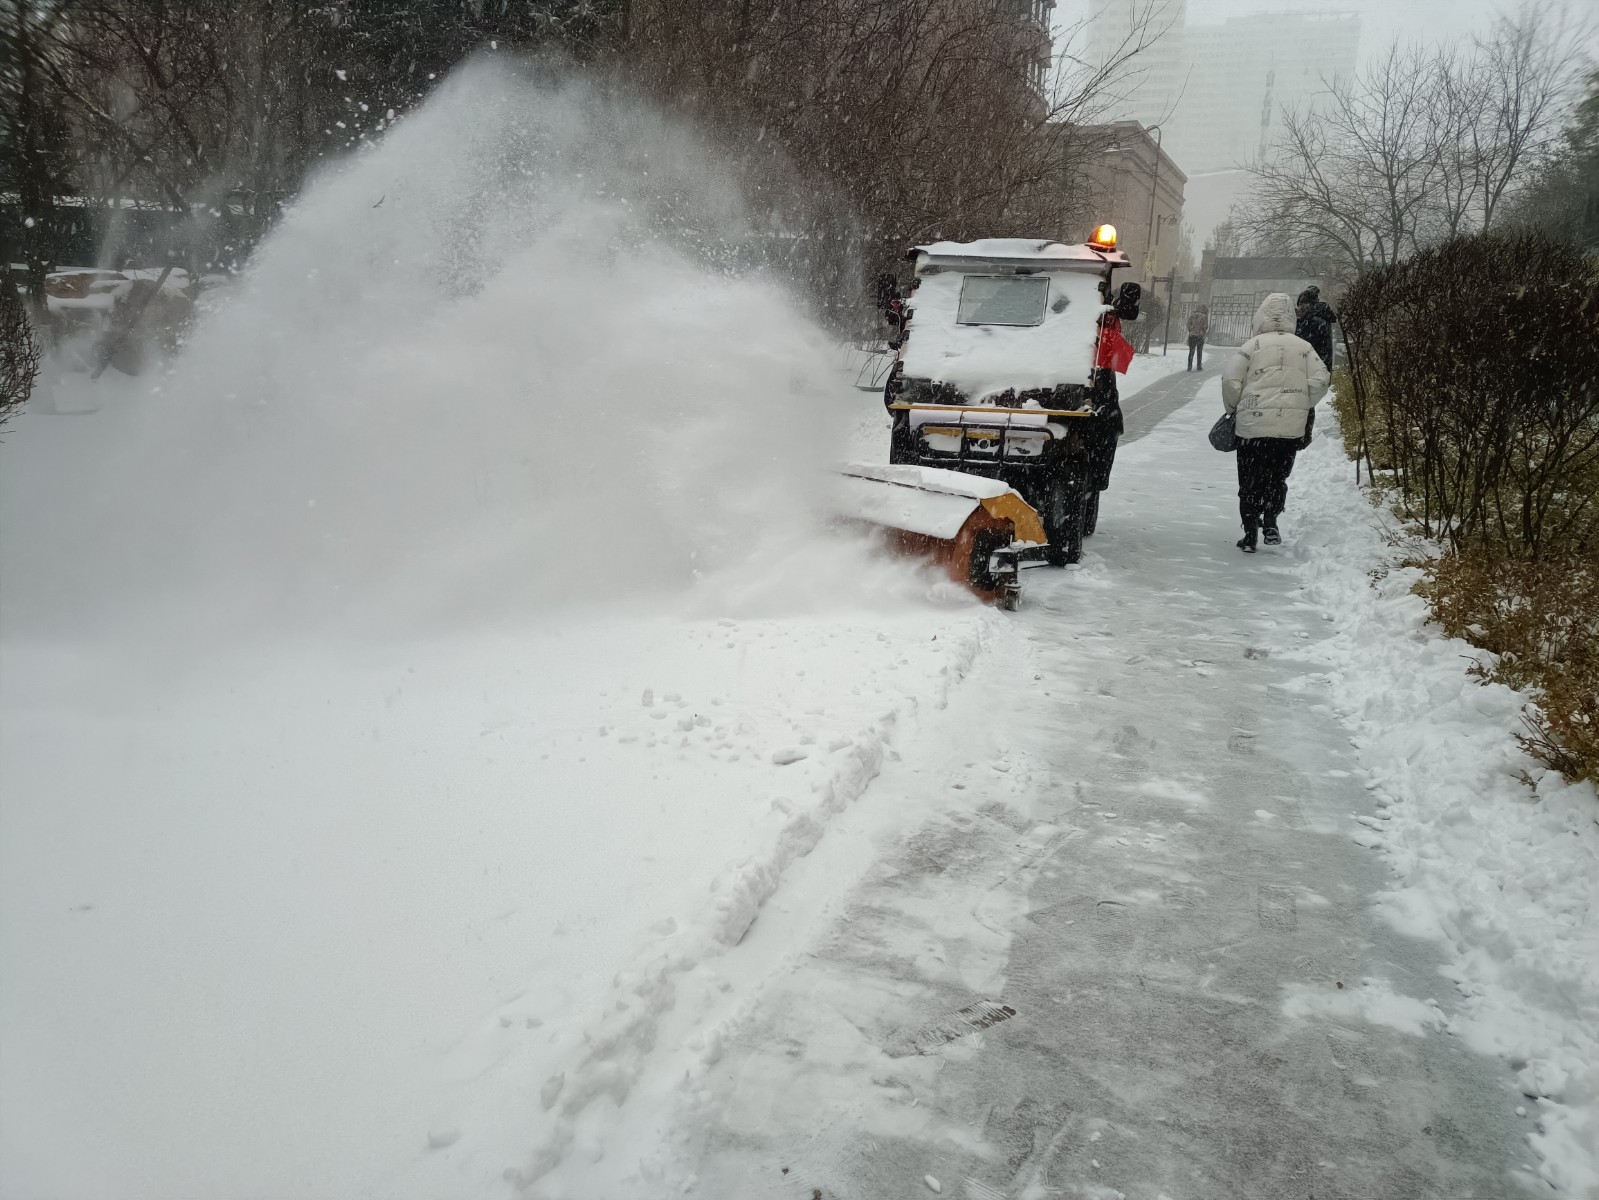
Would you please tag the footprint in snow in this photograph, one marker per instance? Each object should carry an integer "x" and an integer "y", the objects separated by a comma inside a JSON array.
[{"x": 439, "y": 1139}]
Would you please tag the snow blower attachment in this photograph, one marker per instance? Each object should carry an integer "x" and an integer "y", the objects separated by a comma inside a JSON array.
[{"x": 976, "y": 528}]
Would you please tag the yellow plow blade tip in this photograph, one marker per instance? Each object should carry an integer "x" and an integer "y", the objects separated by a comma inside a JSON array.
[{"x": 1024, "y": 520}]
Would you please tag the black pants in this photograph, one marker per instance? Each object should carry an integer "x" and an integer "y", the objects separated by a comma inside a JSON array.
[
  {"x": 1196, "y": 352},
  {"x": 1264, "y": 465}
]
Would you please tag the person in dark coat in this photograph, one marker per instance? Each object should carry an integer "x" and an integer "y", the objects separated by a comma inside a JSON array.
[
  {"x": 1198, "y": 326},
  {"x": 1315, "y": 319}
]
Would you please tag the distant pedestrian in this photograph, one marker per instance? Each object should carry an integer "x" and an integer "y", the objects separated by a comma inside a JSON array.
[
  {"x": 1314, "y": 321},
  {"x": 1198, "y": 327},
  {"x": 1271, "y": 385}
]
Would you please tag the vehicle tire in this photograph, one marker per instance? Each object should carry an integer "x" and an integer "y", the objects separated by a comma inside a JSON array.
[
  {"x": 1062, "y": 515},
  {"x": 985, "y": 545},
  {"x": 1091, "y": 514}
]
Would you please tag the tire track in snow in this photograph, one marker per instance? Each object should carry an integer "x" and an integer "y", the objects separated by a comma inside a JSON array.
[{"x": 618, "y": 1047}]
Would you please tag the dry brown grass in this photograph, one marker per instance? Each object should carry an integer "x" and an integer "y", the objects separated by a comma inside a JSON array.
[
  {"x": 1365, "y": 435},
  {"x": 1541, "y": 619},
  {"x": 1343, "y": 403}
]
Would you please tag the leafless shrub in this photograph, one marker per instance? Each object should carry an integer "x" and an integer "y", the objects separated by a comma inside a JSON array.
[
  {"x": 907, "y": 120},
  {"x": 1421, "y": 146},
  {"x": 19, "y": 351},
  {"x": 1482, "y": 358}
]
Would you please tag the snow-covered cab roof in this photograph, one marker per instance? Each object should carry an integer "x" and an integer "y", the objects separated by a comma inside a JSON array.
[
  {"x": 1005, "y": 314},
  {"x": 1033, "y": 253}
]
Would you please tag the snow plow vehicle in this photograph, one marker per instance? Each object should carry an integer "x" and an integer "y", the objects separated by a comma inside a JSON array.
[{"x": 1006, "y": 355}]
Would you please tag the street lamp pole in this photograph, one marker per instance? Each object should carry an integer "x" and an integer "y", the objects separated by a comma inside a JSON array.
[
  {"x": 1170, "y": 280},
  {"x": 1154, "y": 182}
]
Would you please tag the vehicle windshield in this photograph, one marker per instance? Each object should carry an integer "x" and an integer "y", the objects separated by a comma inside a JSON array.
[{"x": 1003, "y": 300}]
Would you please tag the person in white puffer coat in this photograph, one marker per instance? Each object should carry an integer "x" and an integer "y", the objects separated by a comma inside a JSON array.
[{"x": 1271, "y": 385}]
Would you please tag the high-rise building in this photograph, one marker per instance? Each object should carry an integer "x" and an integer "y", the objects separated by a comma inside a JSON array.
[{"x": 1218, "y": 90}]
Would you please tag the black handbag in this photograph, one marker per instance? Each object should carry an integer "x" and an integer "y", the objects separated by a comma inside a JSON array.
[{"x": 1224, "y": 434}]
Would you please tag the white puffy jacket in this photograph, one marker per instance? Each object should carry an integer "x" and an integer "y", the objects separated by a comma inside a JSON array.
[{"x": 1275, "y": 378}]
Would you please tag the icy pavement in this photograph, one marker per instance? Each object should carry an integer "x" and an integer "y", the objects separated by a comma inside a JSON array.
[
  {"x": 1147, "y": 847},
  {"x": 1143, "y": 410}
]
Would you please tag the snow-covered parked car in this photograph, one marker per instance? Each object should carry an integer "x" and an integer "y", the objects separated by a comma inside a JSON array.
[{"x": 1007, "y": 353}]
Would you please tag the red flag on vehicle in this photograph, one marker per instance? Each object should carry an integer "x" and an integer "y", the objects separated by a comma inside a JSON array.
[{"x": 1115, "y": 351}]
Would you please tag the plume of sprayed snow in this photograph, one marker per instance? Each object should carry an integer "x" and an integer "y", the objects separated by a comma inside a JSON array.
[{"x": 479, "y": 371}]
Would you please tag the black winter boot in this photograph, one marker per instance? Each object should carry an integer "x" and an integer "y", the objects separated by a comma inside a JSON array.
[
  {"x": 1268, "y": 531},
  {"x": 1247, "y": 542}
]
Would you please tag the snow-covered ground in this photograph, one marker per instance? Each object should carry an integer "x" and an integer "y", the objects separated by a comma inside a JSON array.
[
  {"x": 1145, "y": 369},
  {"x": 292, "y": 926},
  {"x": 1503, "y": 874},
  {"x": 430, "y": 916}
]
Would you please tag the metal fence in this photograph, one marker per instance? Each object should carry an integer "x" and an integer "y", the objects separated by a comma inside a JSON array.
[{"x": 1231, "y": 318}]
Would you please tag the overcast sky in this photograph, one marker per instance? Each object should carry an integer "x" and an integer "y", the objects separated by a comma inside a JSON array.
[
  {"x": 1380, "y": 20},
  {"x": 1209, "y": 193}
]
